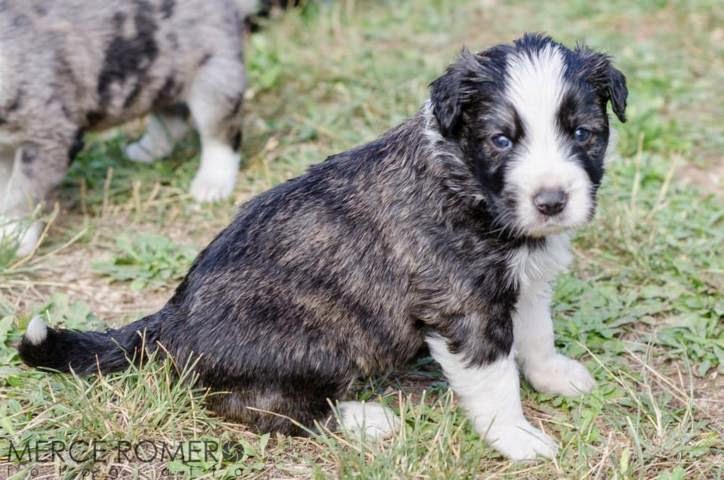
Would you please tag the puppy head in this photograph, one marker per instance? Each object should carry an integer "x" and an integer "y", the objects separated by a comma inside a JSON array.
[{"x": 531, "y": 121}]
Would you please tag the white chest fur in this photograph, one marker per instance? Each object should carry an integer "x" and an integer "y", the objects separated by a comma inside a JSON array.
[{"x": 542, "y": 264}]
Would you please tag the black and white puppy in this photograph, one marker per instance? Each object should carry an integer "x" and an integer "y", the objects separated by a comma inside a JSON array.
[
  {"x": 447, "y": 230},
  {"x": 69, "y": 66}
]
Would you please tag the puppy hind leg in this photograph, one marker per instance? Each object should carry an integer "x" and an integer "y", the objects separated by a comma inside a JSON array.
[
  {"x": 11, "y": 228},
  {"x": 491, "y": 396},
  {"x": 273, "y": 409},
  {"x": 37, "y": 168},
  {"x": 215, "y": 102},
  {"x": 164, "y": 129}
]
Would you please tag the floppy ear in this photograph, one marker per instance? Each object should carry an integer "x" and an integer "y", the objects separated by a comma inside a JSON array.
[
  {"x": 617, "y": 92},
  {"x": 446, "y": 102},
  {"x": 450, "y": 92},
  {"x": 606, "y": 79}
]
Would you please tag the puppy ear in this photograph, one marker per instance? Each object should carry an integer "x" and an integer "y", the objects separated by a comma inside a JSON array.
[
  {"x": 449, "y": 92},
  {"x": 446, "y": 102},
  {"x": 606, "y": 79},
  {"x": 617, "y": 92}
]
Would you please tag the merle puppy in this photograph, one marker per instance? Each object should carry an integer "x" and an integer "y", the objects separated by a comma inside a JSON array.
[
  {"x": 448, "y": 230},
  {"x": 68, "y": 66}
]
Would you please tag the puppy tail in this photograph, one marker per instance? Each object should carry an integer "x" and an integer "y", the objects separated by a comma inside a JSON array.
[{"x": 88, "y": 352}]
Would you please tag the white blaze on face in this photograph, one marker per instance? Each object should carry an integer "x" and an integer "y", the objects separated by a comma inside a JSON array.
[{"x": 536, "y": 88}]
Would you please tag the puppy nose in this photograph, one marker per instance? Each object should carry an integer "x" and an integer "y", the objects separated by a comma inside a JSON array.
[{"x": 550, "y": 202}]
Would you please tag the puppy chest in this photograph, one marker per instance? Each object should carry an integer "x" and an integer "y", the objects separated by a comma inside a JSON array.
[{"x": 539, "y": 263}]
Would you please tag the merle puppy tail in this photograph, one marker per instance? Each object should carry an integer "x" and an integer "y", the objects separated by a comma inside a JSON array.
[{"x": 88, "y": 352}]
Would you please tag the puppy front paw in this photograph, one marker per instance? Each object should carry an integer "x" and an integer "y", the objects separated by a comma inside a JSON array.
[
  {"x": 156, "y": 144},
  {"x": 138, "y": 152},
  {"x": 559, "y": 375},
  {"x": 521, "y": 441}
]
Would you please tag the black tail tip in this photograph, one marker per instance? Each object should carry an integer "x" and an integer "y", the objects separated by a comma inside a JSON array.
[{"x": 34, "y": 349}]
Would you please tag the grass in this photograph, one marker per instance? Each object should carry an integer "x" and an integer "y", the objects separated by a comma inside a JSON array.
[
  {"x": 146, "y": 261},
  {"x": 642, "y": 307}
]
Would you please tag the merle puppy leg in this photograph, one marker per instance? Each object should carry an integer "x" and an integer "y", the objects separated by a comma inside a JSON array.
[
  {"x": 164, "y": 129},
  {"x": 215, "y": 102},
  {"x": 6, "y": 167},
  {"x": 490, "y": 394},
  {"x": 22, "y": 190},
  {"x": 10, "y": 226},
  {"x": 545, "y": 369},
  {"x": 37, "y": 168}
]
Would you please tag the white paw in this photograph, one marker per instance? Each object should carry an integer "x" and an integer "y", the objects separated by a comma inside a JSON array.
[
  {"x": 158, "y": 141},
  {"x": 208, "y": 187},
  {"x": 138, "y": 153},
  {"x": 559, "y": 375},
  {"x": 370, "y": 419},
  {"x": 25, "y": 236},
  {"x": 521, "y": 441}
]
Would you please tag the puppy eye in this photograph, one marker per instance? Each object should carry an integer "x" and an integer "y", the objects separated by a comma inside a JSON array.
[
  {"x": 501, "y": 142},
  {"x": 581, "y": 134}
]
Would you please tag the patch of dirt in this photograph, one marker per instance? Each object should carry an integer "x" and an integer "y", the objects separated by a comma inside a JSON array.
[
  {"x": 709, "y": 397},
  {"x": 710, "y": 179}
]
